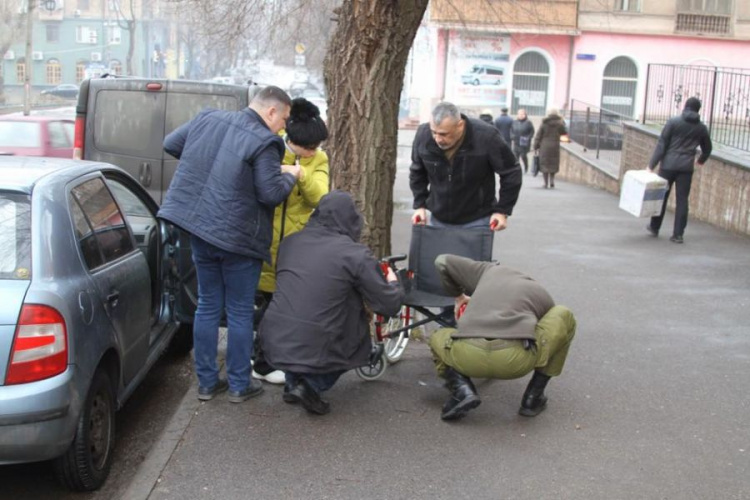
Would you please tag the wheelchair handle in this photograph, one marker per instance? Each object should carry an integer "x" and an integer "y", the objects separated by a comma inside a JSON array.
[{"x": 391, "y": 260}]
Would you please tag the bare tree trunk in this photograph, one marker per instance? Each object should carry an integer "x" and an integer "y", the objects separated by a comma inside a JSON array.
[
  {"x": 131, "y": 47},
  {"x": 364, "y": 73}
]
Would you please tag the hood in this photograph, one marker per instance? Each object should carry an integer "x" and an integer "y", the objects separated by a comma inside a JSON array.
[
  {"x": 553, "y": 118},
  {"x": 691, "y": 116},
  {"x": 337, "y": 211}
]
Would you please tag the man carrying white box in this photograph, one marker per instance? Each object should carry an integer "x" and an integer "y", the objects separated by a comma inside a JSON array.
[{"x": 676, "y": 152}]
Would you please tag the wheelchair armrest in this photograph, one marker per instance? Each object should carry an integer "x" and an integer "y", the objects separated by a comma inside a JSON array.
[{"x": 392, "y": 259}]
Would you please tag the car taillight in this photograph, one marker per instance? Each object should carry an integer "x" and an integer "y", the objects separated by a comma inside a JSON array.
[
  {"x": 40, "y": 346},
  {"x": 79, "y": 137}
]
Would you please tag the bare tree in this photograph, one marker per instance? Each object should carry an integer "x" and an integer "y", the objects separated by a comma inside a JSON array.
[
  {"x": 127, "y": 21},
  {"x": 364, "y": 74}
]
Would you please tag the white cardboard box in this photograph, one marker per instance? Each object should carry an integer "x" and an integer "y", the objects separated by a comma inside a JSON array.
[{"x": 642, "y": 193}]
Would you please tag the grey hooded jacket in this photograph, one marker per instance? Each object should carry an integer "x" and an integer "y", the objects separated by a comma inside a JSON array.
[
  {"x": 678, "y": 142},
  {"x": 316, "y": 321}
]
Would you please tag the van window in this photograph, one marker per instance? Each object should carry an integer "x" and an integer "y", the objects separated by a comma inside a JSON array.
[
  {"x": 182, "y": 108},
  {"x": 128, "y": 123},
  {"x": 15, "y": 236},
  {"x": 494, "y": 71}
]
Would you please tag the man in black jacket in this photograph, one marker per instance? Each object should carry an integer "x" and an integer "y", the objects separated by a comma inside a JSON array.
[
  {"x": 676, "y": 152},
  {"x": 454, "y": 163}
]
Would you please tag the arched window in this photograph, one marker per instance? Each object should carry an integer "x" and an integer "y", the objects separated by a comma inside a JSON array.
[
  {"x": 619, "y": 86},
  {"x": 115, "y": 67},
  {"x": 54, "y": 72},
  {"x": 530, "y": 83},
  {"x": 20, "y": 70},
  {"x": 80, "y": 70}
]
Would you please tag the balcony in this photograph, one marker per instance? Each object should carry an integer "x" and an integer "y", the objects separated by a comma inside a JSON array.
[{"x": 704, "y": 24}]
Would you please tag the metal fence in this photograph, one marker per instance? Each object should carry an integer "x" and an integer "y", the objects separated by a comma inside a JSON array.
[
  {"x": 724, "y": 92},
  {"x": 599, "y": 131}
]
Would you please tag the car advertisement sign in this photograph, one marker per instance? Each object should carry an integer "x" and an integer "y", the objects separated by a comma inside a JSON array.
[{"x": 477, "y": 69}]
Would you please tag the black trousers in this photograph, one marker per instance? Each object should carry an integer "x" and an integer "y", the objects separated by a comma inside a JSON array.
[
  {"x": 260, "y": 365},
  {"x": 522, "y": 155},
  {"x": 682, "y": 181}
]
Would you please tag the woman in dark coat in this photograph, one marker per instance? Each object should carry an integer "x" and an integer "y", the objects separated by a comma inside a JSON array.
[
  {"x": 547, "y": 146},
  {"x": 316, "y": 326}
]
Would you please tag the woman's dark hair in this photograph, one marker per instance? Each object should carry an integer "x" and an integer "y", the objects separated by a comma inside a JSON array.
[{"x": 305, "y": 127}]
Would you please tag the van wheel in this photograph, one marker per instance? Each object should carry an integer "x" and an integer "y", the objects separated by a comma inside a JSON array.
[
  {"x": 182, "y": 342},
  {"x": 86, "y": 464},
  {"x": 475, "y": 82}
]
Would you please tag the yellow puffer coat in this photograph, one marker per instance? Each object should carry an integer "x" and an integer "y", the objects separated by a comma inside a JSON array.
[{"x": 300, "y": 204}]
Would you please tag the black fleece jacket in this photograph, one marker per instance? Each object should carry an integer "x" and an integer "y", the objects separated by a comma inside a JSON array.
[{"x": 678, "y": 142}]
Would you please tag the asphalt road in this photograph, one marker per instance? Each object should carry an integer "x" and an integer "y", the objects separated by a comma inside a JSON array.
[{"x": 139, "y": 424}]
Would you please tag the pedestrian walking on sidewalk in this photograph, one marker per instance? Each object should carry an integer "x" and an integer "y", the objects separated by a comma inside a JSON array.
[
  {"x": 316, "y": 326},
  {"x": 547, "y": 146},
  {"x": 522, "y": 133},
  {"x": 510, "y": 327},
  {"x": 304, "y": 132},
  {"x": 224, "y": 192},
  {"x": 676, "y": 150},
  {"x": 503, "y": 123}
]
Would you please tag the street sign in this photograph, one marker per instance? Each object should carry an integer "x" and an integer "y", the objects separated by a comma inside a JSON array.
[{"x": 299, "y": 60}]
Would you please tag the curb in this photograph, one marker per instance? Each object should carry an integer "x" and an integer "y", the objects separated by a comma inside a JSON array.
[{"x": 149, "y": 471}]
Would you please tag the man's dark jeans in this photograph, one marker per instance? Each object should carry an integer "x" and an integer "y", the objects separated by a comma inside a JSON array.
[
  {"x": 228, "y": 281},
  {"x": 682, "y": 181}
]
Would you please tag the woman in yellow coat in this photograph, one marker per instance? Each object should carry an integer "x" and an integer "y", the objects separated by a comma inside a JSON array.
[{"x": 305, "y": 131}]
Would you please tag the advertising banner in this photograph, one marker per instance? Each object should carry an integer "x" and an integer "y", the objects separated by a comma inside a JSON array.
[{"x": 477, "y": 69}]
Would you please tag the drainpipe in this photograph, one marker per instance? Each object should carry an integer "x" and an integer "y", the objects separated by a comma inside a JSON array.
[{"x": 570, "y": 68}]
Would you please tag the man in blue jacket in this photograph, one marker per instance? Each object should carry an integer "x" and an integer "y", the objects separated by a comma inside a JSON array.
[
  {"x": 676, "y": 153},
  {"x": 227, "y": 184}
]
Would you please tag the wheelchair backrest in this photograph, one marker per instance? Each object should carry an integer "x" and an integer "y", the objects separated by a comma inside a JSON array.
[{"x": 427, "y": 242}]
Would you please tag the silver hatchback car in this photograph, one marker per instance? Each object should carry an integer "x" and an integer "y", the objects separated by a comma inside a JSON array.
[{"x": 89, "y": 286}]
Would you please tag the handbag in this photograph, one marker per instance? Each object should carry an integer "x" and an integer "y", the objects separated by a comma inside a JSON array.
[{"x": 535, "y": 166}]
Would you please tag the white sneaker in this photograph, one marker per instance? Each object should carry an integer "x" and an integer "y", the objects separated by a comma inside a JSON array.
[{"x": 275, "y": 377}]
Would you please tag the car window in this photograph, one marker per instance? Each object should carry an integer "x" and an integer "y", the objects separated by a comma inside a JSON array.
[
  {"x": 15, "y": 236},
  {"x": 138, "y": 215},
  {"x": 70, "y": 130},
  {"x": 182, "y": 108},
  {"x": 20, "y": 134},
  {"x": 58, "y": 138},
  {"x": 99, "y": 224}
]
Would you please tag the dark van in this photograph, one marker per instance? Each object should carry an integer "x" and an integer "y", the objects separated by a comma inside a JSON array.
[{"x": 123, "y": 121}]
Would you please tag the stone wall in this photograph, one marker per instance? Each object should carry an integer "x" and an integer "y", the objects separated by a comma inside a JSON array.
[
  {"x": 720, "y": 193},
  {"x": 576, "y": 167}
]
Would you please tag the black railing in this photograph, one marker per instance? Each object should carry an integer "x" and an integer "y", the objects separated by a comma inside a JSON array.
[
  {"x": 724, "y": 92},
  {"x": 598, "y": 131}
]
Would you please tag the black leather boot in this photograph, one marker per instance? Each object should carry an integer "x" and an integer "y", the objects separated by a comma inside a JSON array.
[
  {"x": 534, "y": 401},
  {"x": 463, "y": 398}
]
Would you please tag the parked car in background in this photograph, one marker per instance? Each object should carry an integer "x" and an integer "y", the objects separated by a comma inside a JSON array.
[
  {"x": 36, "y": 135},
  {"x": 88, "y": 279},
  {"x": 65, "y": 91}
]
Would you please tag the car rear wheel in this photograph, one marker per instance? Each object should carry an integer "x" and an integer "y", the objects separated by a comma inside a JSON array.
[{"x": 86, "y": 464}]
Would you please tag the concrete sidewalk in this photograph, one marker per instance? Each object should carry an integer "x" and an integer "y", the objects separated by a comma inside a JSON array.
[{"x": 652, "y": 404}]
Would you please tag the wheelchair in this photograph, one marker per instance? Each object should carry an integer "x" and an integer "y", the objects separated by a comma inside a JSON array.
[{"x": 424, "y": 291}]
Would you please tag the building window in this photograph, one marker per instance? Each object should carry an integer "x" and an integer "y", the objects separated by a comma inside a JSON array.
[
  {"x": 619, "y": 86},
  {"x": 54, "y": 72},
  {"x": 630, "y": 5},
  {"x": 530, "y": 83},
  {"x": 84, "y": 34},
  {"x": 20, "y": 70},
  {"x": 115, "y": 67},
  {"x": 80, "y": 71},
  {"x": 115, "y": 35},
  {"x": 53, "y": 33},
  {"x": 704, "y": 16},
  {"x": 83, "y": 4}
]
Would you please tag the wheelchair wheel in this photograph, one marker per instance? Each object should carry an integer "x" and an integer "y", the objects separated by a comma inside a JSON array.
[
  {"x": 373, "y": 371},
  {"x": 395, "y": 346}
]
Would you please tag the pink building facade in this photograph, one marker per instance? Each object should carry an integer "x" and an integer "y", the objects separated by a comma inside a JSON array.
[{"x": 487, "y": 71}]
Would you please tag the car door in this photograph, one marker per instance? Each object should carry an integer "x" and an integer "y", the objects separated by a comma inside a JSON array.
[
  {"x": 157, "y": 241},
  {"x": 118, "y": 269}
]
